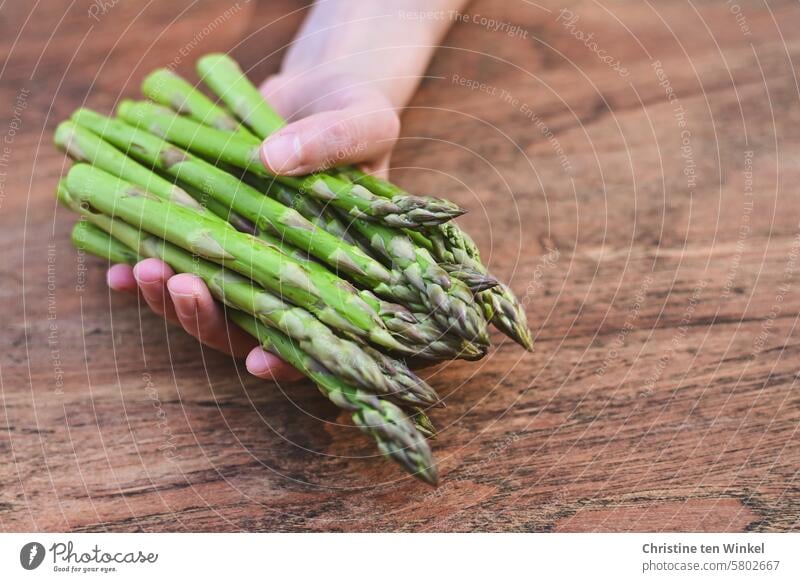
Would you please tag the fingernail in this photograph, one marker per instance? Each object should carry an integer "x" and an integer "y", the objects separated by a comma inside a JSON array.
[
  {"x": 138, "y": 276},
  {"x": 185, "y": 305},
  {"x": 281, "y": 153},
  {"x": 185, "y": 302},
  {"x": 144, "y": 274},
  {"x": 258, "y": 364},
  {"x": 114, "y": 278}
]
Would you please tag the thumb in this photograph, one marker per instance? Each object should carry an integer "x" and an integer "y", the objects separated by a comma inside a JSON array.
[{"x": 332, "y": 138}]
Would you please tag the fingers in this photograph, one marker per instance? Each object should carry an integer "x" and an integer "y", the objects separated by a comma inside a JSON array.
[
  {"x": 204, "y": 319},
  {"x": 186, "y": 300},
  {"x": 151, "y": 275},
  {"x": 341, "y": 121},
  {"x": 270, "y": 367},
  {"x": 331, "y": 138},
  {"x": 120, "y": 278}
]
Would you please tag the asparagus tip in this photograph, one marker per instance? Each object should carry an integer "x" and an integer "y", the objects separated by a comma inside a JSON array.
[{"x": 429, "y": 475}]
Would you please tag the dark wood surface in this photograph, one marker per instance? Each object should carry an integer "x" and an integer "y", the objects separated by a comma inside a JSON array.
[{"x": 655, "y": 243}]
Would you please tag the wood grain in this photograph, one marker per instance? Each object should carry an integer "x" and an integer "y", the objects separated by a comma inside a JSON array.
[{"x": 655, "y": 243}]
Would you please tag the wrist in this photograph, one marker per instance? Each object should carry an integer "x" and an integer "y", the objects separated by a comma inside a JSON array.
[{"x": 369, "y": 43}]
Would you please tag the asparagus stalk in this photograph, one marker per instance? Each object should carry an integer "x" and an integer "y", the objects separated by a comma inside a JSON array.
[
  {"x": 84, "y": 146},
  {"x": 264, "y": 212},
  {"x": 426, "y": 340},
  {"x": 91, "y": 239},
  {"x": 333, "y": 300},
  {"x": 500, "y": 305},
  {"x": 169, "y": 89},
  {"x": 423, "y": 423},
  {"x": 447, "y": 299},
  {"x": 475, "y": 280},
  {"x": 409, "y": 250},
  {"x": 441, "y": 295},
  {"x": 395, "y": 433},
  {"x": 394, "y": 318},
  {"x": 216, "y": 208},
  {"x": 374, "y": 184},
  {"x": 420, "y": 337},
  {"x": 311, "y": 209},
  {"x": 453, "y": 259},
  {"x": 505, "y": 312},
  {"x": 458, "y": 254},
  {"x": 454, "y": 246},
  {"x": 225, "y": 78},
  {"x": 350, "y": 361},
  {"x": 320, "y": 214},
  {"x": 398, "y": 436},
  {"x": 239, "y": 151}
]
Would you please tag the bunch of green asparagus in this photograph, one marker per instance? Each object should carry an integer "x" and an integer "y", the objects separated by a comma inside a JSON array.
[{"x": 345, "y": 276}]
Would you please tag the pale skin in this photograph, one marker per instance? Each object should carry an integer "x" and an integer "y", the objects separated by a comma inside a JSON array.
[{"x": 347, "y": 75}]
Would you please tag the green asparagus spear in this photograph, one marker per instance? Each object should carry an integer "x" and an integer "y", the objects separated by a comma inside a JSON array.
[
  {"x": 452, "y": 307},
  {"x": 396, "y": 436},
  {"x": 264, "y": 212},
  {"x": 84, "y": 146},
  {"x": 333, "y": 300},
  {"x": 169, "y": 89},
  {"x": 226, "y": 79},
  {"x": 447, "y": 299},
  {"x": 311, "y": 209},
  {"x": 91, "y": 239},
  {"x": 374, "y": 184},
  {"x": 500, "y": 305},
  {"x": 422, "y": 339},
  {"x": 474, "y": 279},
  {"x": 236, "y": 150},
  {"x": 423, "y": 423},
  {"x": 217, "y": 208},
  {"x": 343, "y": 357},
  {"x": 458, "y": 254}
]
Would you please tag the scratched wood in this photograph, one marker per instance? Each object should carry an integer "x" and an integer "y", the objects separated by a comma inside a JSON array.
[{"x": 633, "y": 172}]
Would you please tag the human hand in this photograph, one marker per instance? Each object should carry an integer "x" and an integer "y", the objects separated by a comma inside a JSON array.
[
  {"x": 340, "y": 89},
  {"x": 352, "y": 124},
  {"x": 334, "y": 119}
]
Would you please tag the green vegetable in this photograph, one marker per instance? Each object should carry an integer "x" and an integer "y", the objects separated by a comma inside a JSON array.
[
  {"x": 89, "y": 238},
  {"x": 266, "y": 213},
  {"x": 233, "y": 148},
  {"x": 398, "y": 436},
  {"x": 501, "y": 306},
  {"x": 332, "y": 300},
  {"x": 344, "y": 357}
]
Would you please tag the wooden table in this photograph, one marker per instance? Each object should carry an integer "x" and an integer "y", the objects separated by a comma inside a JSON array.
[{"x": 631, "y": 167}]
